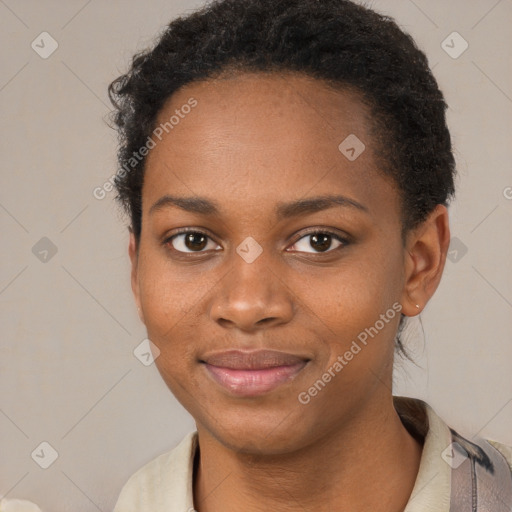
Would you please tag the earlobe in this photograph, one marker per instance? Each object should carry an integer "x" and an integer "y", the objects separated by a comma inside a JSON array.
[
  {"x": 426, "y": 250},
  {"x": 133, "y": 251}
]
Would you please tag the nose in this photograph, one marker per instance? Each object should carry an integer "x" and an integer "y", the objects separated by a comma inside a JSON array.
[{"x": 252, "y": 296}]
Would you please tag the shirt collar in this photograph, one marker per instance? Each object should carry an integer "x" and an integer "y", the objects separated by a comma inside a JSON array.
[{"x": 431, "y": 491}]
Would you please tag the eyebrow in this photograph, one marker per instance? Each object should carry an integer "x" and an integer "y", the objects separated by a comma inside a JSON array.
[
  {"x": 204, "y": 206},
  {"x": 316, "y": 204},
  {"x": 199, "y": 205}
]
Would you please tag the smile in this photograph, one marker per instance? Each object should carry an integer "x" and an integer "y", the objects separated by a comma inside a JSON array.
[{"x": 251, "y": 374}]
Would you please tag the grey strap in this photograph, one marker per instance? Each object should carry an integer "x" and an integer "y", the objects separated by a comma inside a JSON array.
[{"x": 481, "y": 477}]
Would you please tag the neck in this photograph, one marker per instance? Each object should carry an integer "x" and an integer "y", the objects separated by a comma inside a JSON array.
[{"x": 369, "y": 464}]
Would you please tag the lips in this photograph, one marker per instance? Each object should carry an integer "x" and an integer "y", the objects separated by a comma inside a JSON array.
[{"x": 252, "y": 373}]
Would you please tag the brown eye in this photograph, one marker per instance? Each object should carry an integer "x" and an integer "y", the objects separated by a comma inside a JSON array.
[
  {"x": 195, "y": 241},
  {"x": 320, "y": 242},
  {"x": 191, "y": 241}
]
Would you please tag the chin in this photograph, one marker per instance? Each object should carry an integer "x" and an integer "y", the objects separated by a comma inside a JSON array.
[{"x": 259, "y": 432}]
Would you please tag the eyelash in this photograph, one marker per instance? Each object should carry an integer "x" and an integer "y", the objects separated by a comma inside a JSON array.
[{"x": 343, "y": 240}]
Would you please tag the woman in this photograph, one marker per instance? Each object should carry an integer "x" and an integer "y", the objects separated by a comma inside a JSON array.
[{"x": 287, "y": 168}]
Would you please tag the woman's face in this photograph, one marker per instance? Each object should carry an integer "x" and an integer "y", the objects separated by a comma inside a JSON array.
[{"x": 258, "y": 151}]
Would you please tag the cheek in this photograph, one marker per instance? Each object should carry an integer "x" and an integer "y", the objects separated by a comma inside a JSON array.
[
  {"x": 168, "y": 296},
  {"x": 351, "y": 297},
  {"x": 356, "y": 311},
  {"x": 173, "y": 304}
]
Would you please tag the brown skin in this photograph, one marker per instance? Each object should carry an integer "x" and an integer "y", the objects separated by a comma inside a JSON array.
[{"x": 254, "y": 141}]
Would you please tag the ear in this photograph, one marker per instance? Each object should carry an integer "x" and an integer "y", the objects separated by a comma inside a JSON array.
[
  {"x": 133, "y": 251},
  {"x": 426, "y": 250}
]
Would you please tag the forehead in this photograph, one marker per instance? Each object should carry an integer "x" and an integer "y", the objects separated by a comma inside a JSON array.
[
  {"x": 267, "y": 103},
  {"x": 263, "y": 135}
]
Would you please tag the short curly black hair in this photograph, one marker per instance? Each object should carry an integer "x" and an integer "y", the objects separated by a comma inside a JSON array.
[{"x": 339, "y": 42}]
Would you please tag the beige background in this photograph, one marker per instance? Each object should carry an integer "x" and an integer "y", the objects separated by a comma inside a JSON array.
[{"x": 68, "y": 374}]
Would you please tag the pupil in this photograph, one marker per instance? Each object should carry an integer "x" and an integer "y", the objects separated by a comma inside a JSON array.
[
  {"x": 195, "y": 241},
  {"x": 323, "y": 240}
]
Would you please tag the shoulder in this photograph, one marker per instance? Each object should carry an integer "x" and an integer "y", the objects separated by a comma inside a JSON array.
[
  {"x": 504, "y": 449},
  {"x": 444, "y": 478},
  {"x": 161, "y": 482}
]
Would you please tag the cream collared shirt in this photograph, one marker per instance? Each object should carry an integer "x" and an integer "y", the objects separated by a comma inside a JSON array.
[{"x": 165, "y": 484}]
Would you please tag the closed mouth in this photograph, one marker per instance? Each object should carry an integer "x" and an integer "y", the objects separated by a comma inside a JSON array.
[{"x": 253, "y": 373}]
